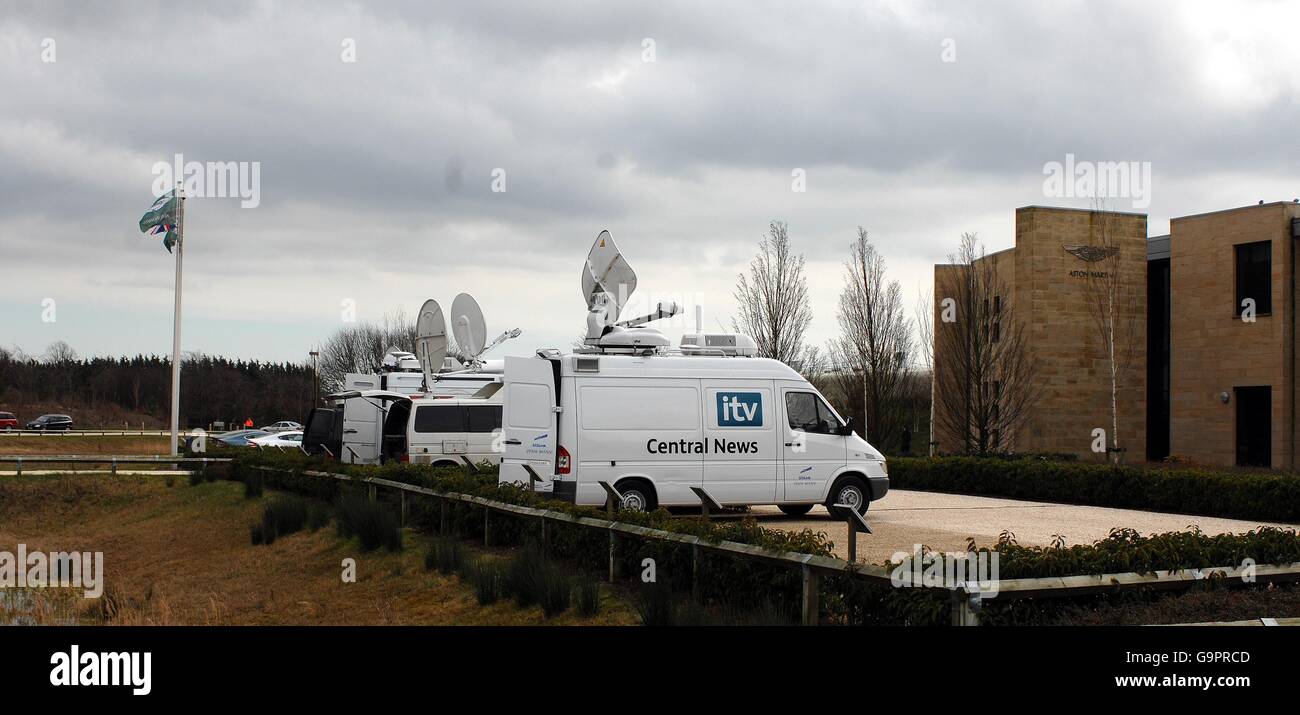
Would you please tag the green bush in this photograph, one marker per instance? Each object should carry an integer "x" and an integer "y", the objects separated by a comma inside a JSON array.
[
  {"x": 449, "y": 556},
  {"x": 318, "y": 515},
  {"x": 525, "y": 577},
  {"x": 487, "y": 578},
  {"x": 253, "y": 485},
  {"x": 287, "y": 513},
  {"x": 588, "y": 595},
  {"x": 657, "y": 605},
  {"x": 374, "y": 524},
  {"x": 1246, "y": 494}
]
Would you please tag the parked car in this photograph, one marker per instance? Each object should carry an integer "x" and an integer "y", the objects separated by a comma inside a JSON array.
[
  {"x": 283, "y": 426},
  {"x": 50, "y": 422},
  {"x": 238, "y": 438},
  {"x": 279, "y": 439},
  {"x": 8, "y": 422}
]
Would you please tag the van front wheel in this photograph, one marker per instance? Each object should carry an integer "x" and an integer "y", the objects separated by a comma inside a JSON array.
[
  {"x": 638, "y": 495},
  {"x": 851, "y": 491}
]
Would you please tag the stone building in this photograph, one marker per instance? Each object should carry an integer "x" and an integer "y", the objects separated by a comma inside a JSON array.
[{"x": 1207, "y": 380}]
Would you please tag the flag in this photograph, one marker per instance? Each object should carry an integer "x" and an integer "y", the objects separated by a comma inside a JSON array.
[{"x": 161, "y": 218}]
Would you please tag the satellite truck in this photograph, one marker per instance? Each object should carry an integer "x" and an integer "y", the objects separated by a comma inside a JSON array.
[
  {"x": 653, "y": 422},
  {"x": 427, "y": 408}
]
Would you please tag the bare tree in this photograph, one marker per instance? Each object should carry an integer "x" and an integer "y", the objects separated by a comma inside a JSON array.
[
  {"x": 875, "y": 343},
  {"x": 360, "y": 347},
  {"x": 773, "y": 298},
  {"x": 983, "y": 377},
  {"x": 1113, "y": 302},
  {"x": 59, "y": 353}
]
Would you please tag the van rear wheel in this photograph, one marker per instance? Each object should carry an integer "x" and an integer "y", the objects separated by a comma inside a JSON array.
[
  {"x": 638, "y": 495},
  {"x": 795, "y": 509},
  {"x": 851, "y": 491}
]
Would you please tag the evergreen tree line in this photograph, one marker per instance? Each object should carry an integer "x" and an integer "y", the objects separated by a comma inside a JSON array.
[{"x": 99, "y": 391}]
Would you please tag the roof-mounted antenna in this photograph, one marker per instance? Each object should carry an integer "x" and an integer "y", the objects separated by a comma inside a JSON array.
[
  {"x": 607, "y": 283},
  {"x": 470, "y": 330},
  {"x": 431, "y": 340}
]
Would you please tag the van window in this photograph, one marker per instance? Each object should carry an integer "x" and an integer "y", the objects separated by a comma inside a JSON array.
[
  {"x": 806, "y": 411},
  {"x": 530, "y": 405},
  {"x": 653, "y": 407},
  {"x": 483, "y": 418},
  {"x": 439, "y": 418}
]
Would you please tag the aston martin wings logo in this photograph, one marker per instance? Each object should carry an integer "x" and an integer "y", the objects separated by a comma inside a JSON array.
[{"x": 1091, "y": 254}]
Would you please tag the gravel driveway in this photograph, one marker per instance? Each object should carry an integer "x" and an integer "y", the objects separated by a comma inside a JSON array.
[{"x": 944, "y": 521}]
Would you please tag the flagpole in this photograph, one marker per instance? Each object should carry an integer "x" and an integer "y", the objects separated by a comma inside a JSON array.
[{"x": 176, "y": 321}]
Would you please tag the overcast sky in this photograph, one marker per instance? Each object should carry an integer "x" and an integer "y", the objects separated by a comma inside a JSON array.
[{"x": 681, "y": 127}]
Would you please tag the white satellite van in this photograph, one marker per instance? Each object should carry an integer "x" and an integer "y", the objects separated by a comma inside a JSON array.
[
  {"x": 430, "y": 409},
  {"x": 654, "y": 423},
  {"x": 746, "y": 430}
]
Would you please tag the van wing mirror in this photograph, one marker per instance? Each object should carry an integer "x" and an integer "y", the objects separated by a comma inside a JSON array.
[{"x": 846, "y": 429}]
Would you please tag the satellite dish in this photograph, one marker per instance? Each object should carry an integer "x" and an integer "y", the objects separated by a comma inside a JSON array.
[
  {"x": 467, "y": 326},
  {"x": 430, "y": 340},
  {"x": 607, "y": 280}
]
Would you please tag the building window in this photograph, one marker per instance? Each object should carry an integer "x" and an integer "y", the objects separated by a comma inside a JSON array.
[
  {"x": 997, "y": 314},
  {"x": 1255, "y": 276}
]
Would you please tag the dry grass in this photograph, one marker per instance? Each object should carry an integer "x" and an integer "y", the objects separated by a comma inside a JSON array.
[
  {"x": 108, "y": 444},
  {"x": 181, "y": 555}
]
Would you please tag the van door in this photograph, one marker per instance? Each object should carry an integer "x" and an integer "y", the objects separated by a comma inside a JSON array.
[
  {"x": 528, "y": 420},
  {"x": 742, "y": 456},
  {"x": 813, "y": 449}
]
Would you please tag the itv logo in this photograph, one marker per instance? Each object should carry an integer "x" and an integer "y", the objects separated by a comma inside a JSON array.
[{"x": 740, "y": 409}]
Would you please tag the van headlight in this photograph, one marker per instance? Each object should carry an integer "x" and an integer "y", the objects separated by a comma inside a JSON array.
[{"x": 884, "y": 467}]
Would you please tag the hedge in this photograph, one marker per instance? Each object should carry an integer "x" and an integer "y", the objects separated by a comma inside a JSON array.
[{"x": 1251, "y": 495}]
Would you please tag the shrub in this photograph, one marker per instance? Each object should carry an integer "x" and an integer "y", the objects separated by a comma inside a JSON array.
[
  {"x": 449, "y": 556},
  {"x": 253, "y": 482},
  {"x": 524, "y": 577},
  {"x": 374, "y": 524},
  {"x": 1242, "y": 494},
  {"x": 196, "y": 478},
  {"x": 170, "y": 480},
  {"x": 556, "y": 591},
  {"x": 286, "y": 513},
  {"x": 318, "y": 515},
  {"x": 488, "y": 579},
  {"x": 656, "y": 604},
  {"x": 588, "y": 595}
]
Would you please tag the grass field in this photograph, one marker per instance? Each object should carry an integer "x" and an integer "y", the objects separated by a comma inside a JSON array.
[
  {"x": 181, "y": 554},
  {"x": 80, "y": 444}
]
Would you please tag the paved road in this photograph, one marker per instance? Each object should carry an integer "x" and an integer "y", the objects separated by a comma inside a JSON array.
[{"x": 944, "y": 521}]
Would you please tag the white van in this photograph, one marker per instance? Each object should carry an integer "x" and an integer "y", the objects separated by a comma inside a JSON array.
[
  {"x": 367, "y": 399},
  {"x": 653, "y": 425},
  {"x": 445, "y": 431}
]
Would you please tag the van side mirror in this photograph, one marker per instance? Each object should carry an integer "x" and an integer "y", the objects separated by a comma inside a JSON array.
[{"x": 846, "y": 429}]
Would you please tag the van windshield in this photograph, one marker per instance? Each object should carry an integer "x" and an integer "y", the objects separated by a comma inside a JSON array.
[{"x": 806, "y": 411}]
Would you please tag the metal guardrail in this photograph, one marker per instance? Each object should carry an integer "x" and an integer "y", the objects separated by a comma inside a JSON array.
[
  {"x": 965, "y": 599},
  {"x": 112, "y": 459}
]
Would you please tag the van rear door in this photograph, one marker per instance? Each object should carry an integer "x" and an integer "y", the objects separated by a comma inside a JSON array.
[
  {"x": 364, "y": 413},
  {"x": 529, "y": 420}
]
